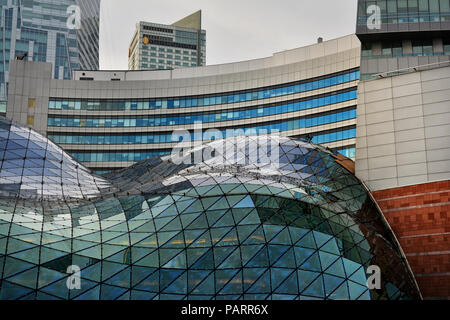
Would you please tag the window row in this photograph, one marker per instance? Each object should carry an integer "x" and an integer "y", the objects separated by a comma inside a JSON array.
[
  {"x": 395, "y": 49},
  {"x": 151, "y": 121},
  {"x": 168, "y": 66},
  {"x": 170, "y": 50},
  {"x": 133, "y": 156},
  {"x": 169, "y": 56},
  {"x": 167, "y": 138},
  {"x": 154, "y": 60},
  {"x": 198, "y": 101}
]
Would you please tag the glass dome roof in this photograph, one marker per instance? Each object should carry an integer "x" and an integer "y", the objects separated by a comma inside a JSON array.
[
  {"x": 34, "y": 167},
  {"x": 262, "y": 217}
]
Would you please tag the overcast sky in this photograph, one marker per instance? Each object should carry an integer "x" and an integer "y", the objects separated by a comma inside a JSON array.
[{"x": 236, "y": 30}]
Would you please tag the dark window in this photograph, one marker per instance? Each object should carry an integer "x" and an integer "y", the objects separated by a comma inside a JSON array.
[
  {"x": 417, "y": 48},
  {"x": 447, "y": 46},
  {"x": 366, "y": 50},
  {"x": 422, "y": 48},
  {"x": 397, "y": 49},
  {"x": 149, "y": 28}
]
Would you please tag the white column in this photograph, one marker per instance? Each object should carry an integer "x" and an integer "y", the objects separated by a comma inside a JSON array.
[{"x": 51, "y": 49}]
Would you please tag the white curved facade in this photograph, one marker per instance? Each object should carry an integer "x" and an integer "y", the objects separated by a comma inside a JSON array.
[{"x": 120, "y": 117}]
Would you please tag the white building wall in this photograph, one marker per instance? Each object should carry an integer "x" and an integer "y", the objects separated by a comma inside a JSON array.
[
  {"x": 403, "y": 129},
  {"x": 317, "y": 59}
]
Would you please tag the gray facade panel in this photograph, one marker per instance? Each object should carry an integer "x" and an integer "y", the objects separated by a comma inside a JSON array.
[{"x": 419, "y": 127}]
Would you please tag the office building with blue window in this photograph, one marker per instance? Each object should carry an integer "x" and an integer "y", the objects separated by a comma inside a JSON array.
[
  {"x": 111, "y": 119},
  {"x": 38, "y": 30},
  {"x": 401, "y": 34},
  {"x": 158, "y": 46},
  {"x": 380, "y": 97}
]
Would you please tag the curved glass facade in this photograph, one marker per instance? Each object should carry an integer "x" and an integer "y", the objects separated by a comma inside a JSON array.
[
  {"x": 107, "y": 119},
  {"x": 291, "y": 223},
  {"x": 146, "y": 139},
  {"x": 199, "y": 101},
  {"x": 33, "y": 167},
  {"x": 334, "y": 108},
  {"x": 205, "y": 117}
]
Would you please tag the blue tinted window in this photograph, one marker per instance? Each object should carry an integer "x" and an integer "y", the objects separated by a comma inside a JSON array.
[
  {"x": 193, "y": 101},
  {"x": 143, "y": 121}
]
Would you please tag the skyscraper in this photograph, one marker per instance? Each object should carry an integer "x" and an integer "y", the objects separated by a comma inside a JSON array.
[
  {"x": 63, "y": 32},
  {"x": 403, "y": 132},
  {"x": 88, "y": 34},
  {"x": 157, "y": 46}
]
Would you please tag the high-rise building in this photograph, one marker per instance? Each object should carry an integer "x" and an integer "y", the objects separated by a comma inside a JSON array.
[
  {"x": 403, "y": 131},
  {"x": 401, "y": 34},
  {"x": 63, "y": 32},
  {"x": 157, "y": 46}
]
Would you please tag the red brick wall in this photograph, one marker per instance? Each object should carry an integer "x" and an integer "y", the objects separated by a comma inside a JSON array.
[{"x": 420, "y": 218}]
